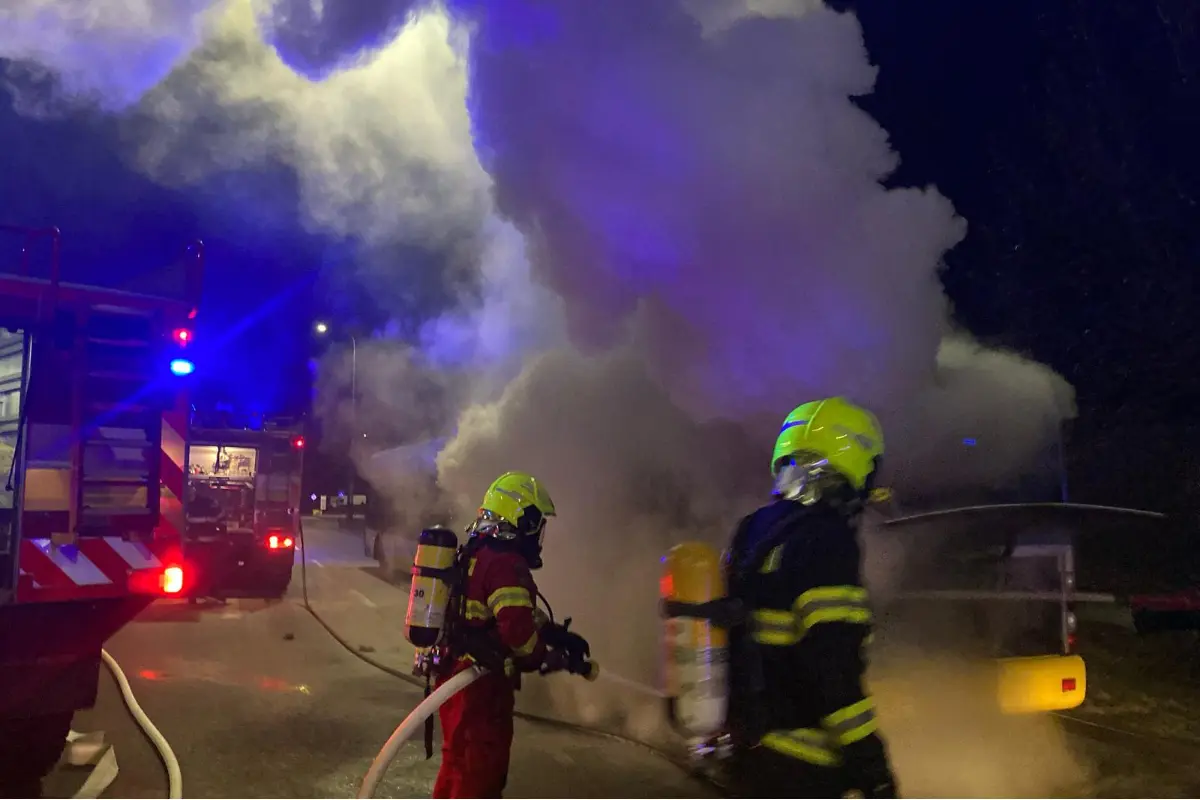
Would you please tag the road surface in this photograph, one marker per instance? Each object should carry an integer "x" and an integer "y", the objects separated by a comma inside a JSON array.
[{"x": 258, "y": 700}]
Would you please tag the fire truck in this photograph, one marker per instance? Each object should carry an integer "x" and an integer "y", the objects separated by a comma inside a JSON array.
[
  {"x": 243, "y": 518},
  {"x": 93, "y": 443}
]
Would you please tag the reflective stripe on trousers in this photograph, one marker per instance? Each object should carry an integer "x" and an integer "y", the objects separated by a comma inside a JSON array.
[
  {"x": 821, "y": 746},
  {"x": 806, "y": 744}
]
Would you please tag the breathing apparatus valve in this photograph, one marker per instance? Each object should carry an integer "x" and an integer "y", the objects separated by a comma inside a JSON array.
[{"x": 426, "y": 661}]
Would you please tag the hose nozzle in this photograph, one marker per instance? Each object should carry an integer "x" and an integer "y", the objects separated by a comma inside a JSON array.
[{"x": 590, "y": 671}]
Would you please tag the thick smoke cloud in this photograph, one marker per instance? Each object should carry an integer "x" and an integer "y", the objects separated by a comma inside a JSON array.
[
  {"x": 380, "y": 148},
  {"x": 106, "y": 52},
  {"x": 675, "y": 215}
]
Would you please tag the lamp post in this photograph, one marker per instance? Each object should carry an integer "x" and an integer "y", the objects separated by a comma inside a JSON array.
[{"x": 323, "y": 328}]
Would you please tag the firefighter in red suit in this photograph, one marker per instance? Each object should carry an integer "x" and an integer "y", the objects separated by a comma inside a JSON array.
[{"x": 496, "y": 624}]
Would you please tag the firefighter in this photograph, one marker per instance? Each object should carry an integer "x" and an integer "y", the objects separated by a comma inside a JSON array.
[
  {"x": 497, "y": 625},
  {"x": 803, "y": 726}
]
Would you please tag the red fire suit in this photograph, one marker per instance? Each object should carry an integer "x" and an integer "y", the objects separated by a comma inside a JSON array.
[{"x": 477, "y": 723}]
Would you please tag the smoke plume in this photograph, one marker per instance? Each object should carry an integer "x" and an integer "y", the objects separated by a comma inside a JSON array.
[{"x": 676, "y": 230}]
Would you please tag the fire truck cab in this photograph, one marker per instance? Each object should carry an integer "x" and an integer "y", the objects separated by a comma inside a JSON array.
[
  {"x": 243, "y": 520},
  {"x": 93, "y": 441}
]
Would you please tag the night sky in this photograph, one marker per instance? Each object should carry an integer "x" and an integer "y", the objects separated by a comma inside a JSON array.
[
  {"x": 1065, "y": 133},
  {"x": 1066, "y": 136}
]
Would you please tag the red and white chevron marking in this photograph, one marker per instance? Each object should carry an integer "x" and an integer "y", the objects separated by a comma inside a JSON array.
[
  {"x": 173, "y": 476},
  {"x": 94, "y": 567}
]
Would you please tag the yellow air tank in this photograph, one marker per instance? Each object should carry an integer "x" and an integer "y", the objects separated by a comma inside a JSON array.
[
  {"x": 430, "y": 591},
  {"x": 696, "y": 652}
]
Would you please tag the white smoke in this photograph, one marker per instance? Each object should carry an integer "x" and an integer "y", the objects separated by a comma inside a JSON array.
[
  {"x": 106, "y": 52},
  {"x": 381, "y": 148}
]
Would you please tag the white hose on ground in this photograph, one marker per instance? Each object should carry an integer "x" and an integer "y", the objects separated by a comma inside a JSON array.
[
  {"x": 411, "y": 724},
  {"x": 174, "y": 774}
]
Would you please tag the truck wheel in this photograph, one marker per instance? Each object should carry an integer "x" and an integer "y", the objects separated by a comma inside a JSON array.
[{"x": 31, "y": 749}]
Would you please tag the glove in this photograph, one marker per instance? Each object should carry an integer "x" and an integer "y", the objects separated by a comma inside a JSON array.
[
  {"x": 555, "y": 661},
  {"x": 559, "y": 638}
]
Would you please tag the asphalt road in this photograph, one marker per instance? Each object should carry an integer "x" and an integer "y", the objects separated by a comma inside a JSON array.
[{"x": 258, "y": 700}]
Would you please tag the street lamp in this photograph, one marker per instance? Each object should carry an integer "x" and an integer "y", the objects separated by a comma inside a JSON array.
[{"x": 321, "y": 329}]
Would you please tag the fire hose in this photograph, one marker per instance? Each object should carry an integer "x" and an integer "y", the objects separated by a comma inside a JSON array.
[
  {"x": 427, "y": 708},
  {"x": 151, "y": 731}
]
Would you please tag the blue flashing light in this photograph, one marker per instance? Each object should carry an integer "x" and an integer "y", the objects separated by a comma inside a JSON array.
[
  {"x": 181, "y": 367},
  {"x": 969, "y": 442}
]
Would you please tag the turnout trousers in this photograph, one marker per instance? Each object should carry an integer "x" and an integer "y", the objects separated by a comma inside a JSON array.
[{"x": 477, "y": 734}]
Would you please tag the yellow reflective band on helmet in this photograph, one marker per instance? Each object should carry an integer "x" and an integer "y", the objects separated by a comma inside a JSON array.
[
  {"x": 774, "y": 627},
  {"x": 477, "y": 611},
  {"x": 772, "y": 561},
  {"x": 527, "y": 648},
  {"x": 832, "y": 604},
  {"x": 509, "y": 597},
  {"x": 806, "y": 744},
  {"x": 852, "y": 723}
]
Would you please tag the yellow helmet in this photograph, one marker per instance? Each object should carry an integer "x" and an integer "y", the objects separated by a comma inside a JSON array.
[{"x": 847, "y": 437}]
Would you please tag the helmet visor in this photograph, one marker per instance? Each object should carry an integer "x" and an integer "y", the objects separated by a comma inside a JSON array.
[{"x": 798, "y": 476}]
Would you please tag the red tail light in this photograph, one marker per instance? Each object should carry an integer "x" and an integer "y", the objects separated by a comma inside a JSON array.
[
  {"x": 1068, "y": 685},
  {"x": 172, "y": 580},
  {"x": 278, "y": 541}
]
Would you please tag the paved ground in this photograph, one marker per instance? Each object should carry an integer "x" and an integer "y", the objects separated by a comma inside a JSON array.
[{"x": 259, "y": 701}]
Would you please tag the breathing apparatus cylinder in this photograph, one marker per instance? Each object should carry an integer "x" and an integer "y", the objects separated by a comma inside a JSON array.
[
  {"x": 696, "y": 652},
  {"x": 429, "y": 595}
]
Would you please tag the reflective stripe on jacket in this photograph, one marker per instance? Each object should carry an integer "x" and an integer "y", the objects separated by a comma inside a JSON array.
[{"x": 500, "y": 597}]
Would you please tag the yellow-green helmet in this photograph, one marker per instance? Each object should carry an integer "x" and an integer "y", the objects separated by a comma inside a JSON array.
[
  {"x": 514, "y": 510},
  {"x": 846, "y": 436},
  {"x": 510, "y": 498}
]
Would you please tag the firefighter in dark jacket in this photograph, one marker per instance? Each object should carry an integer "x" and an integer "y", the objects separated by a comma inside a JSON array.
[
  {"x": 500, "y": 627},
  {"x": 803, "y": 724}
]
